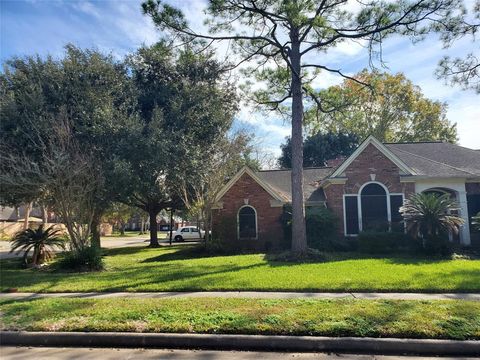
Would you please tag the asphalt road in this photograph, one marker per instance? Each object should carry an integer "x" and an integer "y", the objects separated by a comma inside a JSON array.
[
  {"x": 44, "y": 353},
  {"x": 107, "y": 242}
]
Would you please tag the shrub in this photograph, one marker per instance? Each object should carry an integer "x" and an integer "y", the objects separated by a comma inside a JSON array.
[
  {"x": 86, "y": 259},
  {"x": 383, "y": 242},
  {"x": 217, "y": 245},
  {"x": 322, "y": 230},
  {"x": 437, "y": 245}
]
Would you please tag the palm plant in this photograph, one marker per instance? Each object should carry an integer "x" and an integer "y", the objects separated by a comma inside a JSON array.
[
  {"x": 41, "y": 241},
  {"x": 476, "y": 221},
  {"x": 430, "y": 215}
]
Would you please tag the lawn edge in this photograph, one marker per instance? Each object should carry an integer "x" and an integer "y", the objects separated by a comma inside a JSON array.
[{"x": 243, "y": 342}]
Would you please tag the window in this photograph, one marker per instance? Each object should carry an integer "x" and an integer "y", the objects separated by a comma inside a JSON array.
[
  {"x": 247, "y": 223},
  {"x": 396, "y": 201},
  {"x": 194, "y": 230},
  {"x": 186, "y": 230},
  {"x": 374, "y": 208},
  {"x": 351, "y": 215}
]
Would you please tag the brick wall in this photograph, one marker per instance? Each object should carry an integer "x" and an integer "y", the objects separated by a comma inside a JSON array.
[
  {"x": 270, "y": 231},
  {"x": 370, "y": 161}
]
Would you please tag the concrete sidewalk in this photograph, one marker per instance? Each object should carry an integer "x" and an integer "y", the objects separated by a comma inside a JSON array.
[{"x": 246, "y": 294}]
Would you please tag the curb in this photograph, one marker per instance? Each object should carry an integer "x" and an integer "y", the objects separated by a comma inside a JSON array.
[{"x": 243, "y": 342}]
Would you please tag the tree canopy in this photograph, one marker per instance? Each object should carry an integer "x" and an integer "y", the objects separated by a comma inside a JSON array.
[
  {"x": 319, "y": 148},
  {"x": 392, "y": 109}
]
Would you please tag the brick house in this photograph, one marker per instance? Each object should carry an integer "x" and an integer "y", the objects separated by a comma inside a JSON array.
[{"x": 365, "y": 191}]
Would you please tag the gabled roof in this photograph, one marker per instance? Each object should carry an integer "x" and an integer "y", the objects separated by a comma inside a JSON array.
[
  {"x": 438, "y": 159},
  {"x": 371, "y": 140},
  {"x": 278, "y": 183},
  {"x": 275, "y": 193},
  {"x": 282, "y": 180}
]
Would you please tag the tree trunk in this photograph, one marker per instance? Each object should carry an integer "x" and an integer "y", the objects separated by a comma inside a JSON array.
[
  {"x": 299, "y": 239},
  {"x": 96, "y": 223},
  {"x": 122, "y": 229},
  {"x": 28, "y": 208},
  {"x": 142, "y": 226},
  {"x": 44, "y": 214},
  {"x": 153, "y": 228}
]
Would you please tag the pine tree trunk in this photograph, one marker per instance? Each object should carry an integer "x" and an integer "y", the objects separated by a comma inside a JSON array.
[
  {"x": 299, "y": 239},
  {"x": 153, "y": 228}
]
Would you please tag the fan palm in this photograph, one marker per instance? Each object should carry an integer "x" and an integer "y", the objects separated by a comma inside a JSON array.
[
  {"x": 430, "y": 214},
  {"x": 476, "y": 221},
  {"x": 41, "y": 241}
]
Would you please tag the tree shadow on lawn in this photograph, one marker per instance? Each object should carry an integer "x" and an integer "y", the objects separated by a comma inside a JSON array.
[{"x": 330, "y": 257}]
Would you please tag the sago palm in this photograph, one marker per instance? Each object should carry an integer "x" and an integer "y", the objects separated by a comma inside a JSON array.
[
  {"x": 41, "y": 241},
  {"x": 430, "y": 214},
  {"x": 476, "y": 222}
]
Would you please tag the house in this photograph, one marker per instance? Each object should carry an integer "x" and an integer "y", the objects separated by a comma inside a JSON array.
[{"x": 365, "y": 191}]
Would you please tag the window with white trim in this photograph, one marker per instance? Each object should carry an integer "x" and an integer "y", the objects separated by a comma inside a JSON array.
[{"x": 374, "y": 208}]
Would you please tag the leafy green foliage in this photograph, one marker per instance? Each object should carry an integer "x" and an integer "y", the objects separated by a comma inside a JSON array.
[
  {"x": 319, "y": 148},
  {"x": 86, "y": 259},
  {"x": 392, "y": 109},
  {"x": 41, "y": 241},
  {"x": 431, "y": 214},
  {"x": 371, "y": 242}
]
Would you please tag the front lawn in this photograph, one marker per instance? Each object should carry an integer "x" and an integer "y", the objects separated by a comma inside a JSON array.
[
  {"x": 373, "y": 318},
  {"x": 181, "y": 269}
]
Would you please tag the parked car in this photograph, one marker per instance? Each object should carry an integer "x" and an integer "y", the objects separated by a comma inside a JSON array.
[{"x": 188, "y": 233}]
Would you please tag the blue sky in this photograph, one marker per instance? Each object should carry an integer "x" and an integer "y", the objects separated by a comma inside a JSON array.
[{"x": 45, "y": 26}]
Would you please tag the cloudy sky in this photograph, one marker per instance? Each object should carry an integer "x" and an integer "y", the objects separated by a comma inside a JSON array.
[{"x": 118, "y": 26}]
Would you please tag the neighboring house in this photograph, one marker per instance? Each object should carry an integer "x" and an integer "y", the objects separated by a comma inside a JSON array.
[{"x": 365, "y": 191}]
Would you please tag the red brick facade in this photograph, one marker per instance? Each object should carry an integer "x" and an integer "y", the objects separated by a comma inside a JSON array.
[
  {"x": 370, "y": 161},
  {"x": 270, "y": 232}
]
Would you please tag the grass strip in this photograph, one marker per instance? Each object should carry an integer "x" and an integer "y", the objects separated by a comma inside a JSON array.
[{"x": 449, "y": 319}]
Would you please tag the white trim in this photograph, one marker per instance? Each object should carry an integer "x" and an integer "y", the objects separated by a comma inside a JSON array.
[
  {"x": 359, "y": 207},
  {"x": 238, "y": 222},
  {"x": 249, "y": 172},
  {"x": 382, "y": 148},
  {"x": 387, "y": 194}
]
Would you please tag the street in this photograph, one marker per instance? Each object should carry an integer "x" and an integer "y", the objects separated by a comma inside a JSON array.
[
  {"x": 109, "y": 242},
  {"x": 40, "y": 353}
]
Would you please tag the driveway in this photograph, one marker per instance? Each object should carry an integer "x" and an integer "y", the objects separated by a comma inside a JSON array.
[{"x": 109, "y": 242}]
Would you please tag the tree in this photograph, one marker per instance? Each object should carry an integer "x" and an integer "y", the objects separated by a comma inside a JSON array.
[
  {"x": 392, "y": 109},
  {"x": 431, "y": 215},
  {"x": 118, "y": 215},
  {"x": 285, "y": 39},
  {"x": 84, "y": 89},
  {"x": 225, "y": 157},
  {"x": 41, "y": 241},
  {"x": 183, "y": 104},
  {"x": 319, "y": 148},
  {"x": 462, "y": 71}
]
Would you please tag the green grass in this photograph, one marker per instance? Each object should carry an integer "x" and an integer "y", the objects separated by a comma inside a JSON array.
[
  {"x": 181, "y": 269},
  {"x": 373, "y": 318}
]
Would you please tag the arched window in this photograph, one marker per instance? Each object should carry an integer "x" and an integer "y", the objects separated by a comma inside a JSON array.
[
  {"x": 247, "y": 223},
  {"x": 374, "y": 208}
]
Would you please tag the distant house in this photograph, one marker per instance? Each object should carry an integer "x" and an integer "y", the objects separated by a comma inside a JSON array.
[{"x": 365, "y": 191}]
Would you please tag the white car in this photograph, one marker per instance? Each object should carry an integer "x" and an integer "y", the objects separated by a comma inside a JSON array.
[{"x": 188, "y": 233}]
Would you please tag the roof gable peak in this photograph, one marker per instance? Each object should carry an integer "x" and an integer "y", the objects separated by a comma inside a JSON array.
[{"x": 371, "y": 140}]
